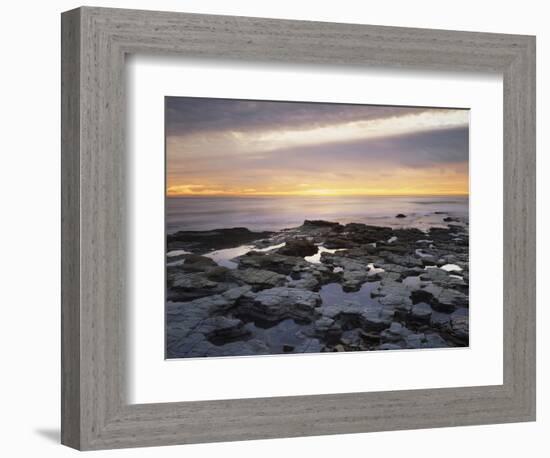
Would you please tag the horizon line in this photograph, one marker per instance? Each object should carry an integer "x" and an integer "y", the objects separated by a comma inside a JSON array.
[{"x": 454, "y": 194}]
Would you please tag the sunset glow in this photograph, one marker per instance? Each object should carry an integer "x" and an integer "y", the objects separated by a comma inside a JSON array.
[{"x": 221, "y": 147}]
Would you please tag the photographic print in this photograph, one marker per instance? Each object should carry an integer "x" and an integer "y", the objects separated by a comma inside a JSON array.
[{"x": 301, "y": 227}]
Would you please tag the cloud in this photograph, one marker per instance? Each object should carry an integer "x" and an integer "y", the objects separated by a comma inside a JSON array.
[
  {"x": 423, "y": 149},
  {"x": 419, "y": 149},
  {"x": 186, "y": 115},
  {"x": 254, "y": 147}
]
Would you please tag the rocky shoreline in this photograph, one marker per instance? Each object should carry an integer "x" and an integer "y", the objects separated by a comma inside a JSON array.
[{"x": 319, "y": 287}]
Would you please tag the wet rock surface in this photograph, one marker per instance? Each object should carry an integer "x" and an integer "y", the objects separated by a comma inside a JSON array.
[
  {"x": 258, "y": 279},
  {"x": 203, "y": 241},
  {"x": 298, "y": 247},
  {"x": 319, "y": 287}
]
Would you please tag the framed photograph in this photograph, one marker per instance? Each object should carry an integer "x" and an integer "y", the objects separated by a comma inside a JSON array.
[
  {"x": 331, "y": 228},
  {"x": 279, "y": 228}
]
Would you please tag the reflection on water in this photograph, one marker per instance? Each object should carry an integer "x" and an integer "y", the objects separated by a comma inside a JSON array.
[
  {"x": 173, "y": 253},
  {"x": 275, "y": 213},
  {"x": 225, "y": 257},
  {"x": 316, "y": 258},
  {"x": 451, "y": 268},
  {"x": 374, "y": 270},
  {"x": 173, "y": 257},
  {"x": 333, "y": 294},
  {"x": 281, "y": 337},
  {"x": 447, "y": 267}
]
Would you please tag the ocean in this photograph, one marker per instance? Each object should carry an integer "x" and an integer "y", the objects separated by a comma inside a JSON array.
[{"x": 276, "y": 213}]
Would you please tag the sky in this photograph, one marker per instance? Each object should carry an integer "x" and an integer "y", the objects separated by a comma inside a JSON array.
[{"x": 225, "y": 147}]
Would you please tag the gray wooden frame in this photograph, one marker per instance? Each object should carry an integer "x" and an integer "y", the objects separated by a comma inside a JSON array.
[{"x": 95, "y": 413}]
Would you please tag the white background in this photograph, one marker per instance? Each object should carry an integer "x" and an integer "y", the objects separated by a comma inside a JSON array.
[
  {"x": 155, "y": 380},
  {"x": 29, "y": 257}
]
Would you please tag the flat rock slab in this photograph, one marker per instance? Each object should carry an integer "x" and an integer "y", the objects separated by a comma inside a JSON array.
[
  {"x": 395, "y": 333},
  {"x": 275, "y": 262},
  {"x": 421, "y": 312},
  {"x": 201, "y": 242},
  {"x": 258, "y": 279},
  {"x": 276, "y": 304},
  {"x": 445, "y": 299},
  {"x": 394, "y": 293},
  {"x": 187, "y": 286}
]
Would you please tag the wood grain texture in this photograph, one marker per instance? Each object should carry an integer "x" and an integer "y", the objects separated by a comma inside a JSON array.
[
  {"x": 70, "y": 229},
  {"x": 96, "y": 414}
]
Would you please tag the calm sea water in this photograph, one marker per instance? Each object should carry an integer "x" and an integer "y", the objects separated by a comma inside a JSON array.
[{"x": 275, "y": 213}]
